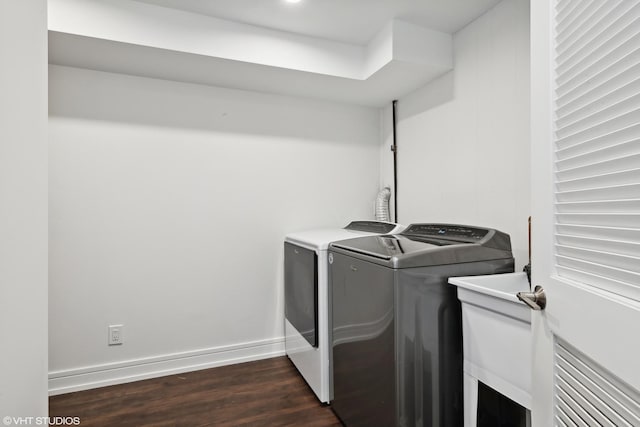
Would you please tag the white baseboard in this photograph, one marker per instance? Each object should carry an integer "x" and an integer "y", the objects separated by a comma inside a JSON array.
[{"x": 78, "y": 379}]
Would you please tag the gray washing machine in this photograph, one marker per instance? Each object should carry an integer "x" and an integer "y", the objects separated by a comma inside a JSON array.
[{"x": 396, "y": 335}]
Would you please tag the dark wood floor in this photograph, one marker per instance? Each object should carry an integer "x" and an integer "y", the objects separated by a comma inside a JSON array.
[{"x": 263, "y": 393}]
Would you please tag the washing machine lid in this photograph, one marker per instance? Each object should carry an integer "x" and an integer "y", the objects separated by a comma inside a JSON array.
[
  {"x": 319, "y": 239},
  {"x": 387, "y": 247},
  {"x": 421, "y": 245}
]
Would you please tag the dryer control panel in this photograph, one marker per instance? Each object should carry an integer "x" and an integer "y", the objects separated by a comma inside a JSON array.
[
  {"x": 447, "y": 231},
  {"x": 377, "y": 227}
]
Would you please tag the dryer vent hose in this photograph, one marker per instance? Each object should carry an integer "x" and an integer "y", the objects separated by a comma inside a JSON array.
[{"x": 382, "y": 205}]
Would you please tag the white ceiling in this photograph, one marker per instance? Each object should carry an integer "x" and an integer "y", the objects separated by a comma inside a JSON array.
[
  {"x": 267, "y": 45},
  {"x": 350, "y": 21}
]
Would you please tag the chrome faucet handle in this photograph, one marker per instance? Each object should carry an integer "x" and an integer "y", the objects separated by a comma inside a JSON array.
[{"x": 536, "y": 300}]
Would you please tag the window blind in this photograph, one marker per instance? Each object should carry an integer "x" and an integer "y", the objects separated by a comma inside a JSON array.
[{"x": 597, "y": 144}]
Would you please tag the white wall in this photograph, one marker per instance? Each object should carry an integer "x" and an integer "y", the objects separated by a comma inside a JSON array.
[
  {"x": 169, "y": 203},
  {"x": 23, "y": 208},
  {"x": 463, "y": 139}
]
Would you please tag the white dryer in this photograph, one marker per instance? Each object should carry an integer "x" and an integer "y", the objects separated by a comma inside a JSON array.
[{"x": 307, "y": 301}]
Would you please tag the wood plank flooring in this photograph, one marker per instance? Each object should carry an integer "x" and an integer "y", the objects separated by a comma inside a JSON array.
[{"x": 263, "y": 393}]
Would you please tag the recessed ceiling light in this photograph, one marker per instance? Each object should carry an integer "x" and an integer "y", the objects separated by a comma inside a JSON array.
[{"x": 292, "y": 1}]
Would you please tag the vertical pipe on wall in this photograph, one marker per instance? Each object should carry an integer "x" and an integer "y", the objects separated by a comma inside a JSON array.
[{"x": 394, "y": 148}]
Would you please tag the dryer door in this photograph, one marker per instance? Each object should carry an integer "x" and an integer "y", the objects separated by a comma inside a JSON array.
[
  {"x": 301, "y": 290},
  {"x": 363, "y": 355}
]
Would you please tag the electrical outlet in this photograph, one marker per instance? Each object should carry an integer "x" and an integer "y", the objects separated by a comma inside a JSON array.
[{"x": 116, "y": 335}]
